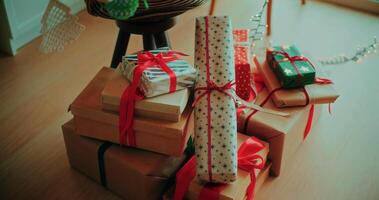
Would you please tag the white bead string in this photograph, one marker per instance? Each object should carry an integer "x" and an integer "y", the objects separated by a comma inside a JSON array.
[
  {"x": 360, "y": 54},
  {"x": 258, "y": 26}
]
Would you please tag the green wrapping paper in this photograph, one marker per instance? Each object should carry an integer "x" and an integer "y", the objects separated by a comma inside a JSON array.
[{"x": 294, "y": 74}]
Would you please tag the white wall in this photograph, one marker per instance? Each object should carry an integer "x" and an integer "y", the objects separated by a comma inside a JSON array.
[
  {"x": 21, "y": 19},
  {"x": 365, "y": 5}
]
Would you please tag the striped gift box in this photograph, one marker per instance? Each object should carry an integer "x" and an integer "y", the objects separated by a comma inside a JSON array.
[{"x": 155, "y": 81}]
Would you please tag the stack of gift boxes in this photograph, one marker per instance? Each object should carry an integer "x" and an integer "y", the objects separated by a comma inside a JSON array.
[{"x": 157, "y": 127}]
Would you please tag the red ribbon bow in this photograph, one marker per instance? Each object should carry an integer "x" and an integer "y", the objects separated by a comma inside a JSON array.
[
  {"x": 211, "y": 86},
  {"x": 131, "y": 94},
  {"x": 248, "y": 160}
]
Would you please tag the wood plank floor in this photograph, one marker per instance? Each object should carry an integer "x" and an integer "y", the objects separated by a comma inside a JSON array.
[{"x": 340, "y": 159}]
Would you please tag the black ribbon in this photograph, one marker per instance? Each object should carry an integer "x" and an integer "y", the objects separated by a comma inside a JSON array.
[{"x": 101, "y": 163}]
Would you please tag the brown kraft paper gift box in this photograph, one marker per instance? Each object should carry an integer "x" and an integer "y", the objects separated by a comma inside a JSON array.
[
  {"x": 237, "y": 189},
  {"x": 164, "y": 107},
  {"x": 318, "y": 93},
  {"x": 158, "y": 136},
  {"x": 284, "y": 134},
  {"x": 128, "y": 172}
]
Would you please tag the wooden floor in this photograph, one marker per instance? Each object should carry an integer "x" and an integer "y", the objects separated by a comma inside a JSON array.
[{"x": 340, "y": 159}]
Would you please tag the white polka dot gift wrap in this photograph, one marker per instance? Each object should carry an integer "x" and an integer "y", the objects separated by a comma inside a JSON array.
[{"x": 216, "y": 160}]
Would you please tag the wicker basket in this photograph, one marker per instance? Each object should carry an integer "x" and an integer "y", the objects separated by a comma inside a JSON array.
[{"x": 158, "y": 9}]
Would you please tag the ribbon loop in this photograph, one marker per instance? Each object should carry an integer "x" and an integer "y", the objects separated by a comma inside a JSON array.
[
  {"x": 249, "y": 160},
  {"x": 212, "y": 86}
]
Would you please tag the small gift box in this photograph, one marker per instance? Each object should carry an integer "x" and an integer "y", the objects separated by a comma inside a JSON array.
[
  {"x": 284, "y": 134},
  {"x": 241, "y": 37},
  {"x": 242, "y": 63},
  {"x": 253, "y": 170},
  {"x": 163, "y": 107},
  {"x": 215, "y": 112},
  {"x": 160, "y": 136},
  {"x": 155, "y": 80},
  {"x": 321, "y": 92},
  {"x": 243, "y": 71},
  {"x": 290, "y": 67},
  {"x": 128, "y": 172}
]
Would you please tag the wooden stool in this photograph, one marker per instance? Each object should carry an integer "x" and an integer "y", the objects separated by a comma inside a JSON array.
[{"x": 153, "y": 32}]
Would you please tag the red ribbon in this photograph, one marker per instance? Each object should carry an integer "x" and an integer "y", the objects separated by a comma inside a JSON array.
[
  {"x": 184, "y": 177},
  {"x": 248, "y": 160},
  {"x": 211, "y": 86},
  {"x": 209, "y": 101},
  {"x": 132, "y": 94},
  {"x": 308, "y": 127}
]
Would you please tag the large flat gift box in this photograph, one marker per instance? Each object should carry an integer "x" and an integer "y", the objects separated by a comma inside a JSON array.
[
  {"x": 164, "y": 107},
  {"x": 284, "y": 134},
  {"x": 237, "y": 189},
  {"x": 91, "y": 120},
  {"x": 129, "y": 172},
  {"x": 317, "y": 93}
]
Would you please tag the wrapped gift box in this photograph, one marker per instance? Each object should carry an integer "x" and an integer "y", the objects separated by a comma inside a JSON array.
[
  {"x": 164, "y": 107},
  {"x": 159, "y": 136},
  {"x": 317, "y": 93},
  {"x": 243, "y": 71},
  {"x": 241, "y": 37},
  {"x": 129, "y": 172},
  {"x": 237, "y": 189},
  {"x": 215, "y": 114},
  {"x": 155, "y": 81},
  {"x": 284, "y": 134},
  {"x": 290, "y": 74},
  {"x": 242, "y": 63}
]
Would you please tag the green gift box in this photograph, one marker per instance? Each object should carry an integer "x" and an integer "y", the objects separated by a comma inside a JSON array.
[{"x": 291, "y": 68}]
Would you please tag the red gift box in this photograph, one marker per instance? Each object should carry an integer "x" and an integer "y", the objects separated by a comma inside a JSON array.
[
  {"x": 243, "y": 71},
  {"x": 241, "y": 35},
  {"x": 242, "y": 62}
]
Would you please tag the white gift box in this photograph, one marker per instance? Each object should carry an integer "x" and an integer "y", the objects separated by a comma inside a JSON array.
[{"x": 216, "y": 142}]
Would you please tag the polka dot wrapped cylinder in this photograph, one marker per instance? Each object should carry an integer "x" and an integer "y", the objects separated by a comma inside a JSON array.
[{"x": 215, "y": 112}]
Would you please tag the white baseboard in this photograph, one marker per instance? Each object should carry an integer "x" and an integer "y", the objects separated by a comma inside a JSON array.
[{"x": 20, "y": 34}]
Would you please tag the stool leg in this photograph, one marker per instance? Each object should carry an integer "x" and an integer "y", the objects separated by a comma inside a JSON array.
[
  {"x": 120, "y": 48},
  {"x": 148, "y": 42},
  {"x": 161, "y": 40},
  {"x": 268, "y": 16}
]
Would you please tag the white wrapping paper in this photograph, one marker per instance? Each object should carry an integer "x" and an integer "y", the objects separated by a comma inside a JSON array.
[{"x": 217, "y": 161}]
